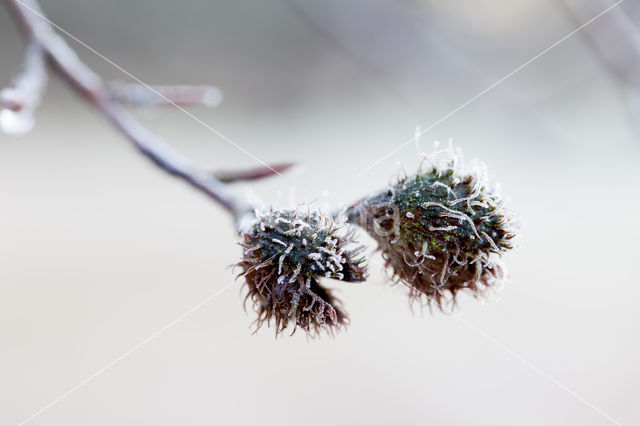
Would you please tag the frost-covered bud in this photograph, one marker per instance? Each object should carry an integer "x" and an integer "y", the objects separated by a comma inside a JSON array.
[
  {"x": 441, "y": 230},
  {"x": 285, "y": 254}
]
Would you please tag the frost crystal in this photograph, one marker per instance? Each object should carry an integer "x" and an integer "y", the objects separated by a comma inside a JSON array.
[
  {"x": 285, "y": 253},
  {"x": 441, "y": 230}
]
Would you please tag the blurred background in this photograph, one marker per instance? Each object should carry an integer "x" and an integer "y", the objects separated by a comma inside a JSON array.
[{"x": 99, "y": 249}]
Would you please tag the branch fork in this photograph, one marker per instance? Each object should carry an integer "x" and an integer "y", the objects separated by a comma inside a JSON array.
[{"x": 21, "y": 98}]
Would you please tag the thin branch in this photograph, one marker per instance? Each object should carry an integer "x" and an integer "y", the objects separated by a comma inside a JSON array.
[
  {"x": 21, "y": 98},
  {"x": 139, "y": 95},
  {"x": 93, "y": 88},
  {"x": 228, "y": 176},
  {"x": 29, "y": 84}
]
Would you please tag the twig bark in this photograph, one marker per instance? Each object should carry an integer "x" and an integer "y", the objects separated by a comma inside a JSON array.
[
  {"x": 230, "y": 176},
  {"x": 21, "y": 98},
  {"x": 135, "y": 94},
  {"x": 29, "y": 84},
  {"x": 93, "y": 88}
]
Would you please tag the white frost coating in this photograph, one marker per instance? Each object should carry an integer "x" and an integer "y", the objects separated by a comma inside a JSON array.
[
  {"x": 16, "y": 123},
  {"x": 427, "y": 204},
  {"x": 477, "y": 258},
  {"x": 301, "y": 223},
  {"x": 282, "y": 219},
  {"x": 440, "y": 184},
  {"x": 416, "y": 263},
  {"x": 483, "y": 205},
  {"x": 250, "y": 249},
  {"x": 445, "y": 265},
  {"x": 425, "y": 247},
  {"x": 332, "y": 267},
  {"x": 443, "y": 228},
  {"x": 293, "y": 231},
  {"x": 326, "y": 250},
  {"x": 280, "y": 264},
  {"x": 463, "y": 217},
  {"x": 454, "y": 214},
  {"x": 296, "y": 272},
  {"x": 498, "y": 208},
  {"x": 275, "y": 240},
  {"x": 490, "y": 240},
  {"x": 295, "y": 300},
  {"x": 458, "y": 261}
]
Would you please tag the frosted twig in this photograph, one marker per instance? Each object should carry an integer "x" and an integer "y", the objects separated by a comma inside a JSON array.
[
  {"x": 23, "y": 95},
  {"x": 95, "y": 90},
  {"x": 139, "y": 95}
]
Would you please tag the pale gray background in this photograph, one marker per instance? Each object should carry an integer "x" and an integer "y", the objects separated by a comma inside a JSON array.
[{"x": 99, "y": 249}]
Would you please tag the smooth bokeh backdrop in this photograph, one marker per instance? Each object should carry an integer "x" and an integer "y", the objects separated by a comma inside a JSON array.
[{"x": 99, "y": 249}]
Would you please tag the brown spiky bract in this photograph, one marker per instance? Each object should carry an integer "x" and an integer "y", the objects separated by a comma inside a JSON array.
[
  {"x": 285, "y": 254},
  {"x": 440, "y": 231}
]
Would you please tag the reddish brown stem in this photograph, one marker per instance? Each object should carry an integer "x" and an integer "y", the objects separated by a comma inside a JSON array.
[{"x": 230, "y": 176}]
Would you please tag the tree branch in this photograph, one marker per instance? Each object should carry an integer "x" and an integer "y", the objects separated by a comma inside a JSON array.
[
  {"x": 139, "y": 95},
  {"x": 92, "y": 87},
  {"x": 21, "y": 98},
  {"x": 230, "y": 176}
]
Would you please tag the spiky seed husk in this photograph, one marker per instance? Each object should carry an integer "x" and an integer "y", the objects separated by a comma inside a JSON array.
[
  {"x": 441, "y": 230},
  {"x": 285, "y": 254}
]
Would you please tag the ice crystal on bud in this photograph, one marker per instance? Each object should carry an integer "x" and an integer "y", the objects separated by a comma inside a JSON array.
[
  {"x": 285, "y": 254},
  {"x": 441, "y": 230}
]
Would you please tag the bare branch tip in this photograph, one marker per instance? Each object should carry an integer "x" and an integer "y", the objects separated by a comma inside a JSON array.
[
  {"x": 231, "y": 176},
  {"x": 143, "y": 95},
  {"x": 21, "y": 98}
]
